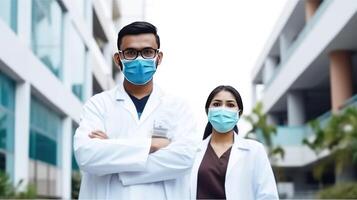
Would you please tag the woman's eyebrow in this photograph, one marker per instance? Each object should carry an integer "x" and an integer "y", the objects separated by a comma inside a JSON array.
[
  {"x": 231, "y": 100},
  {"x": 217, "y": 100}
]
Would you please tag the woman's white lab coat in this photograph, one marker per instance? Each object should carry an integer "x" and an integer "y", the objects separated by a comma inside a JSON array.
[
  {"x": 121, "y": 167},
  {"x": 249, "y": 175}
]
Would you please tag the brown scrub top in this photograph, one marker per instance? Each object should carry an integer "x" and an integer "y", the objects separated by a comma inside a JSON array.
[{"x": 212, "y": 175}]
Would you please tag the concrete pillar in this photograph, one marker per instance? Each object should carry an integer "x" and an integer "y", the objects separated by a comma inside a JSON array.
[
  {"x": 310, "y": 8},
  {"x": 269, "y": 69},
  {"x": 66, "y": 159},
  {"x": 24, "y": 21},
  {"x": 296, "y": 108},
  {"x": 108, "y": 56},
  {"x": 22, "y": 134},
  {"x": 89, "y": 15},
  {"x": 284, "y": 42},
  {"x": 67, "y": 65},
  {"x": 340, "y": 78},
  {"x": 88, "y": 81},
  {"x": 254, "y": 94}
]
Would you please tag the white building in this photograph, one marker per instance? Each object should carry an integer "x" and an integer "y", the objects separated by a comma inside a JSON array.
[
  {"x": 307, "y": 70},
  {"x": 54, "y": 55}
]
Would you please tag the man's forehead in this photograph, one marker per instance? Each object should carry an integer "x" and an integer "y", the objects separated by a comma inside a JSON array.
[{"x": 139, "y": 40}]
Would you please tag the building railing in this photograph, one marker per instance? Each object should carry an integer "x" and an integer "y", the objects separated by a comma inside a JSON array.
[
  {"x": 289, "y": 135},
  {"x": 294, "y": 135},
  {"x": 351, "y": 102},
  {"x": 299, "y": 39}
]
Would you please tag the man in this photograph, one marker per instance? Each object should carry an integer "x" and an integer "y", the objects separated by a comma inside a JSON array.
[{"x": 135, "y": 141}]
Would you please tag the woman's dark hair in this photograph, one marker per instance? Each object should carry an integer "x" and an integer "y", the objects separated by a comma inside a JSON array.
[
  {"x": 234, "y": 92},
  {"x": 137, "y": 28}
]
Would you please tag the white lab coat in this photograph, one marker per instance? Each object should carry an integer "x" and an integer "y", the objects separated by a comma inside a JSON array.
[
  {"x": 249, "y": 175},
  {"x": 121, "y": 167}
]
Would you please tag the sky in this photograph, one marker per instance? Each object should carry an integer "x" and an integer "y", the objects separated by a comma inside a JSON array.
[{"x": 207, "y": 43}]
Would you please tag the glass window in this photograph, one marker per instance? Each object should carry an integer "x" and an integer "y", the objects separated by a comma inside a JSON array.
[
  {"x": 45, "y": 130},
  {"x": 7, "y": 122},
  {"x": 78, "y": 62},
  {"x": 8, "y": 12},
  {"x": 47, "y": 33}
]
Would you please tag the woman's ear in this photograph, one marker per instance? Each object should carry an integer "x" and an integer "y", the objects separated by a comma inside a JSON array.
[{"x": 117, "y": 61}]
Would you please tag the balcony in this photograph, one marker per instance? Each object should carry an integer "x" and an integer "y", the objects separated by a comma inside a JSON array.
[
  {"x": 299, "y": 39},
  {"x": 290, "y": 139}
]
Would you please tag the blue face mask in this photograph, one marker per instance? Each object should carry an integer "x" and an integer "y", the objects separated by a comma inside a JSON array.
[
  {"x": 139, "y": 71},
  {"x": 223, "y": 120}
]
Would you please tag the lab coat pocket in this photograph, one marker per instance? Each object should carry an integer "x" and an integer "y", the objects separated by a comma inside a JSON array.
[{"x": 162, "y": 128}]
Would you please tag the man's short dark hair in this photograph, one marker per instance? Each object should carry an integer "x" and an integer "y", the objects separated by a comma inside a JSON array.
[{"x": 137, "y": 28}]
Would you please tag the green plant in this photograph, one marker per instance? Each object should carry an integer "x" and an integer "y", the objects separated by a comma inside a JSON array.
[
  {"x": 8, "y": 191},
  {"x": 259, "y": 123},
  {"x": 339, "y": 136},
  {"x": 6, "y": 188},
  {"x": 340, "y": 191},
  {"x": 76, "y": 183}
]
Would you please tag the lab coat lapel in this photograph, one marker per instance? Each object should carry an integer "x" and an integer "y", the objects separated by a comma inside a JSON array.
[
  {"x": 152, "y": 103},
  {"x": 123, "y": 97},
  {"x": 237, "y": 154},
  {"x": 196, "y": 165}
]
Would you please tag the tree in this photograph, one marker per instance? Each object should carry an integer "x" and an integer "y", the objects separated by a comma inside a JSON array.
[
  {"x": 339, "y": 137},
  {"x": 260, "y": 125}
]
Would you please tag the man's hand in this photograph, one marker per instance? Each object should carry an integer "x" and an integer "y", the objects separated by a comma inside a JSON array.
[
  {"x": 98, "y": 134},
  {"x": 158, "y": 143}
]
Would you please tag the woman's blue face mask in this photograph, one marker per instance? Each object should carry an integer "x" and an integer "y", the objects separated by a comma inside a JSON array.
[
  {"x": 222, "y": 119},
  {"x": 139, "y": 71}
]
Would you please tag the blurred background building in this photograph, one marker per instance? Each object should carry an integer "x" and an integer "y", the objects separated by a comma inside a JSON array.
[
  {"x": 308, "y": 71},
  {"x": 54, "y": 55}
]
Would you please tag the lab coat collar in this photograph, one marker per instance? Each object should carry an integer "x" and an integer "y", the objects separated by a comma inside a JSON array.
[
  {"x": 120, "y": 93},
  {"x": 238, "y": 152},
  {"x": 153, "y": 101}
]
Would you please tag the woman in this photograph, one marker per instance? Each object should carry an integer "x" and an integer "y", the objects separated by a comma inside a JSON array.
[{"x": 228, "y": 166}]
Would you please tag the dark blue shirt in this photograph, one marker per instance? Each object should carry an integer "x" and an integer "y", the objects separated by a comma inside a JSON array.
[{"x": 139, "y": 103}]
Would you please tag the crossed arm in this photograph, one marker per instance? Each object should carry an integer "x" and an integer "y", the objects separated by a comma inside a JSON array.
[
  {"x": 137, "y": 161},
  {"x": 156, "y": 143}
]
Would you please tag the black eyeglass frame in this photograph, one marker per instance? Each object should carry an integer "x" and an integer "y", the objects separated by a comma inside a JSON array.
[{"x": 139, "y": 52}]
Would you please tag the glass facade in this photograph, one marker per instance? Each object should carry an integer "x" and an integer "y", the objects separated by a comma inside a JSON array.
[
  {"x": 45, "y": 130},
  {"x": 8, "y": 13},
  {"x": 47, "y": 33},
  {"x": 78, "y": 62},
  {"x": 7, "y": 122}
]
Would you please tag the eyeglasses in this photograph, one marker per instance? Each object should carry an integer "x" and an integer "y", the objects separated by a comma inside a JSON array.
[{"x": 146, "y": 53}]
